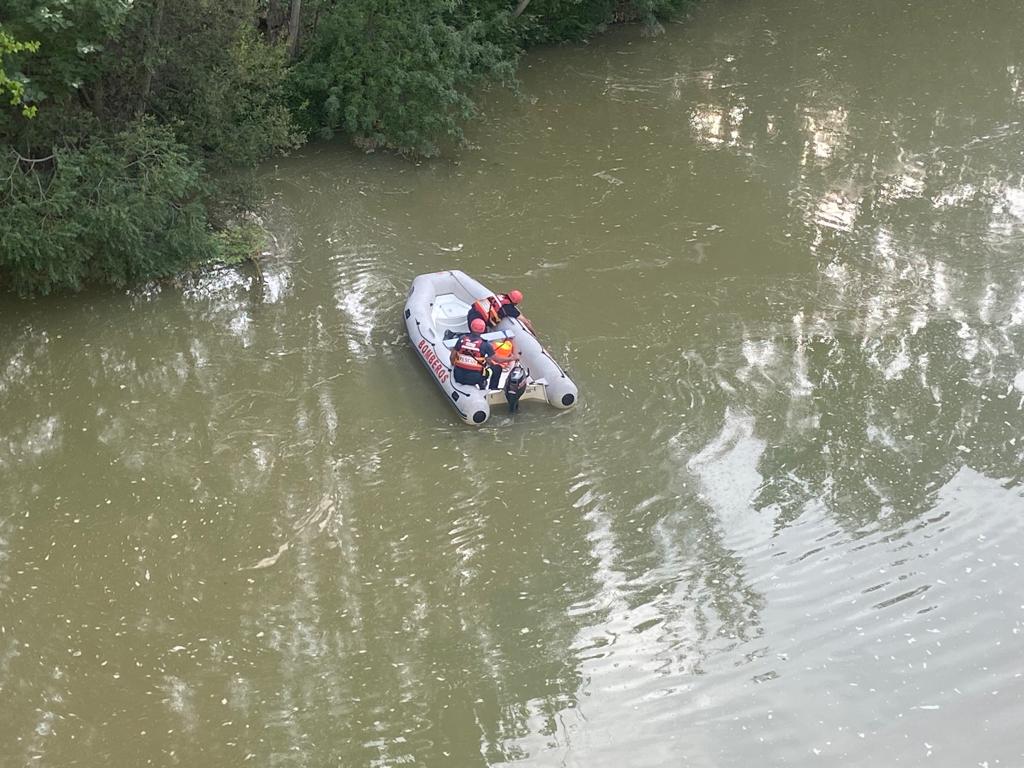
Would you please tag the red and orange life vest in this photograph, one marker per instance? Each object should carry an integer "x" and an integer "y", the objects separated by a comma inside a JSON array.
[
  {"x": 488, "y": 308},
  {"x": 468, "y": 355}
]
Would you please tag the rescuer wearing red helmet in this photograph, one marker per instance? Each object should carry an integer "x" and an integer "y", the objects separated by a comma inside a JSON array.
[
  {"x": 492, "y": 309},
  {"x": 473, "y": 360}
]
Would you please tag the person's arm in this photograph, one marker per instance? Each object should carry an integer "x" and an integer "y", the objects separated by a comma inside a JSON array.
[
  {"x": 490, "y": 354},
  {"x": 511, "y": 310}
]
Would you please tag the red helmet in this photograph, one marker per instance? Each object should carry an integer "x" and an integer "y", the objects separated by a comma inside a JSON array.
[
  {"x": 478, "y": 325},
  {"x": 515, "y": 296}
]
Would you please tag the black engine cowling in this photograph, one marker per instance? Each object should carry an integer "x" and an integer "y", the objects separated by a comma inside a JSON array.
[{"x": 515, "y": 385}]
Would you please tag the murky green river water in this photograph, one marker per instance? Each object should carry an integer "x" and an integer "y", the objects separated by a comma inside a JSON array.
[{"x": 779, "y": 248}]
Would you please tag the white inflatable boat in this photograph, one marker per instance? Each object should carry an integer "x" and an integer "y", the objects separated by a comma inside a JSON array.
[{"x": 438, "y": 303}]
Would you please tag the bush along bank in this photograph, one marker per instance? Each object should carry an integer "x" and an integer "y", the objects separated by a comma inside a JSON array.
[{"x": 123, "y": 126}]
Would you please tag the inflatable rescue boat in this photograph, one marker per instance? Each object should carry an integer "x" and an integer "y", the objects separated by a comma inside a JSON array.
[{"x": 435, "y": 317}]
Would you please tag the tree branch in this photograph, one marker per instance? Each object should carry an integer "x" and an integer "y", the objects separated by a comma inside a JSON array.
[{"x": 31, "y": 160}]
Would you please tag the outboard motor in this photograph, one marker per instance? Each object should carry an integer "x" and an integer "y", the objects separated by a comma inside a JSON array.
[{"x": 515, "y": 385}]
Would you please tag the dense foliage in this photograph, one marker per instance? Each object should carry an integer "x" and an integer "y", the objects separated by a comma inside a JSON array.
[
  {"x": 398, "y": 76},
  {"x": 121, "y": 208},
  {"x": 13, "y": 86},
  {"x": 121, "y": 121},
  {"x": 121, "y": 118}
]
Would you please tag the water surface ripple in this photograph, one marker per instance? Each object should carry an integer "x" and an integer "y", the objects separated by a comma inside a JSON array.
[{"x": 778, "y": 249}]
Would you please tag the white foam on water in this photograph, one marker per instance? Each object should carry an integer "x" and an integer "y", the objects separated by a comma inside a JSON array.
[
  {"x": 899, "y": 364},
  {"x": 826, "y": 132},
  {"x": 969, "y": 337},
  {"x": 355, "y": 301},
  {"x": 987, "y": 302},
  {"x": 727, "y": 469},
  {"x": 1017, "y": 313},
  {"x": 706, "y": 124},
  {"x": 836, "y": 211},
  {"x": 277, "y": 283},
  {"x": 1013, "y": 202},
  {"x": 940, "y": 285},
  {"x": 801, "y": 386},
  {"x": 956, "y": 195}
]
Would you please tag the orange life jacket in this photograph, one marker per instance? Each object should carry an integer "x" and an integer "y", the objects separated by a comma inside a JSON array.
[
  {"x": 488, "y": 309},
  {"x": 467, "y": 353}
]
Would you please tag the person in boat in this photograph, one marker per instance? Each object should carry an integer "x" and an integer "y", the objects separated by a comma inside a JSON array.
[
  {"x": 492, "y": 309},
  {"x": 473, "y": 358}
]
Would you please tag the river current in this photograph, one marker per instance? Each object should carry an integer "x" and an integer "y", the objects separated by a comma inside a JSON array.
[{"x": 779, "y": 249}]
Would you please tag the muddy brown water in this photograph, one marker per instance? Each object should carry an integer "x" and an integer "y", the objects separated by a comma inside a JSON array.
[{"x": 779, "y": 248}]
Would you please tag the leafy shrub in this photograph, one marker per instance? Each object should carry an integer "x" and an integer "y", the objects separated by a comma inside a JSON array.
[
  {"x": 115, "y": 211},
  {"x": 206, "y": 73},
  {"x": 400, "y": 73},
  {"x": 239, "y": 243},
  {"x": 396, "y": 74}
]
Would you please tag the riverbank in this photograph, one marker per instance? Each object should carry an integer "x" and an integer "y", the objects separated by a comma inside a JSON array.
[{"x": 122, "y": 122}]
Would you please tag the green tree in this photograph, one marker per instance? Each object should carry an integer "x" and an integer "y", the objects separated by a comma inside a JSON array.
[
  {"x": 396, "y": 73},
  {"x": 201, "y": 67},
  {"x": 401, "y": 73},
  {"x": 144, "y": 113},
  {"x": 124, "y": 208},
  {"x": 67, "y": 38},
  {"x": 13, "y": 83}
]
